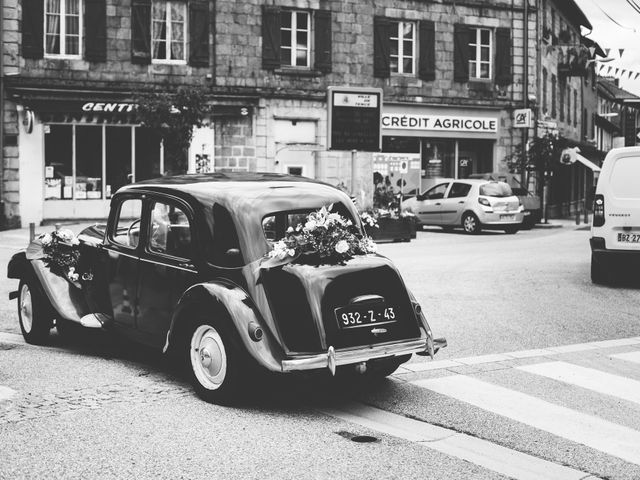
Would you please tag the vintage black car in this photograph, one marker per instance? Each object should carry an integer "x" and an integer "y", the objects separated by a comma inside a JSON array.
[{"x": 180, "y": 266}]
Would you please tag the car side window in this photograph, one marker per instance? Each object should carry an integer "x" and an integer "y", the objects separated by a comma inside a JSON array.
[
  {"x": 436, "y": 192},
  {"x": 459, "y": 190},
  {"x": 170, "y": 231},
  {"x": 127, "y": 225}
]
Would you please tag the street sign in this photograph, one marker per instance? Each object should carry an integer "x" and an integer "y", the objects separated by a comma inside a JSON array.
[
  {"x": 354, "y": 119},
  {"x": 523, "y": 118}
]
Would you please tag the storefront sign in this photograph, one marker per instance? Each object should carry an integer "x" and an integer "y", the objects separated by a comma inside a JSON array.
[
  {"x": 441, "y": 123},
  {"x": 109, "y": 107},
  {"x": 354, "y": 119},
  {"x": 523, "y": 118}
]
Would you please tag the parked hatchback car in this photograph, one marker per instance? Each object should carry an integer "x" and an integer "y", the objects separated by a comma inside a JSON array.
[
  {"x": 471, "y": 204},
  {"x": 182, "y": 265},
  {"x": 615, "y": 229}
]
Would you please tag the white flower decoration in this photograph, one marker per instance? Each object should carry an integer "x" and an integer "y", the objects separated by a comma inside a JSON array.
[
  {"x": 342, "y": 246},
  {"x": 46, "y": 239}
]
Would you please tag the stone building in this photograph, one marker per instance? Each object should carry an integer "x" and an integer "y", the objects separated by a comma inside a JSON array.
[{"x": 451, "y": 74}]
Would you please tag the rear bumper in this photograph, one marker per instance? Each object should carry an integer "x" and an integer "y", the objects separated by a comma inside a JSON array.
[
  {"x": 333, "y": 358},
  {"x": 501, "y": 219},
  {"x": 600, "y": 251}
]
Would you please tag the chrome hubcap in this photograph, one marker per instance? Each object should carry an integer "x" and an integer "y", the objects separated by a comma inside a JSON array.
[
  {"x": 208, "y": 357},
  {"x": 469, "y": 224},
  {"x": 26, "y": 309}
]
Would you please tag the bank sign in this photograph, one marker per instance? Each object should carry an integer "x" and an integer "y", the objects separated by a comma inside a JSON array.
[{"x": 440, "y": 123}]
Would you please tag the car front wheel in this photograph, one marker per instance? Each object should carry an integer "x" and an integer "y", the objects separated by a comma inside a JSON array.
[
  {"x": 470, "y": 223},
  {"x": 214, "y": 363},
  {"x": 33, "y": 315}
]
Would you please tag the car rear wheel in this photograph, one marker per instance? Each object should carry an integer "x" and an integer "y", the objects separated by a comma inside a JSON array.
[
  {"x": 214, "y": 363},
  {"x": 470, "y": 223},
  {"x": 33, "y": 314}
]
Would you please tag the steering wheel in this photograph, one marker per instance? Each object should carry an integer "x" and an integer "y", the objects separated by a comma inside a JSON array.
[{"x": 129, "y": 235}]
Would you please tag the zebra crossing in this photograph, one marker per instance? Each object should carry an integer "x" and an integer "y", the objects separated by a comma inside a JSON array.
[{"x": 539, "y": 391}]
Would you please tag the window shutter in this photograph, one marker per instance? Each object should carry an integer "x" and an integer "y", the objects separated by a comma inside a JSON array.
[
  {"x": 503, "y": 57},
  {"x": 199, "y": 33},
  {"x": 270, "y": 37},
  {"x": 32, "y": 28},
  {"x": 95, "y": 15},
  {"x": 322, "y": 37},
  {"x": 141, "y": 31},
  {"x": 381, "y": 47},
  {"x": 461, "y": 34},
  {"x": 427, "y": 68}
]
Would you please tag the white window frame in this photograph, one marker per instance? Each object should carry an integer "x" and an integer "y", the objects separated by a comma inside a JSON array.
[
  {"x": 62, "y": 29},
  {"x": 293, "y": 47},
  {"x": 168, "y": 40},
  {"x": 399, "y": 39},
  {"x": 475, "y": 62}
]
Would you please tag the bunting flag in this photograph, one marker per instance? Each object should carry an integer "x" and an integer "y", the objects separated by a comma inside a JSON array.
[
  {"x": 630, "y": 73},
  {"x": 621, "y": 50},
  {"x": 617, "y": 70},
  {"x": 622, "y": 72},
  {"x": 606, "y": 52},
  {"x": 609, "y": 71},
  {"x": 592, "y": 51},
  {"x": 637, "y": 75}
]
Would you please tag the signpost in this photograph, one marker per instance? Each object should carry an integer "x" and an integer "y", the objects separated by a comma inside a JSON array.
[{"x": 354, "y": 119}]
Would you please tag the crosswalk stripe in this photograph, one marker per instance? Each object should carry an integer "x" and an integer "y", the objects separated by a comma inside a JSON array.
[
  {"x": 6, "y": 393},
  {"x": 489, "y": 455},
  {"x": 589, "y": 378},
  {"x": 594, "y": 432},
  {"x": 629, "y": 356}
]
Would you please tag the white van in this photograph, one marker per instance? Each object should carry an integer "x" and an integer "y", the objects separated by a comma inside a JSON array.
[{"x": 615, "y": 231}]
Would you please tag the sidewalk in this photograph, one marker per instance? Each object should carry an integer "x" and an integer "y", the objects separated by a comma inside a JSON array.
[{"x": 19, "y": 237}]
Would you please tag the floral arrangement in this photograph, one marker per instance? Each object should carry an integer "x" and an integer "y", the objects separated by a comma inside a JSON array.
[
  {"x": 60, "y": 253},
  {"x": 326, "y": 237}
]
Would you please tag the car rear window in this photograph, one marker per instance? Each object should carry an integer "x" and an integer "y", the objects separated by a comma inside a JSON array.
[
  {"x": 496, "y": 189},
  {"x": 625, "y": 178},
  {"x": 276, "y": 224}
]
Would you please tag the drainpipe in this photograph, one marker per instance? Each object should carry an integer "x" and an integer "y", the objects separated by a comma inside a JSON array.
[
  {"x": 2, "y": 215},
  {"x": 525, "y": 90}
]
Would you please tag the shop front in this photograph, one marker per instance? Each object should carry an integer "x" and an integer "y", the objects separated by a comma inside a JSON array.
[{"x": 423, "y": 144}]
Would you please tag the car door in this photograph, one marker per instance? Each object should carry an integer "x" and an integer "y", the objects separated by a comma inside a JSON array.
[
  {"x": 121, "y": 249},
  {"x": 167, "y": 265},
  {"x": 429, "y": 205},
  {"x": 454, "y": 203}
]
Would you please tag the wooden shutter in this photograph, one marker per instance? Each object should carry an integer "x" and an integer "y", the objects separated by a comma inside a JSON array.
[
  {"x": 32, "y": 28},
  {"x": 427, "y": 53},
  {"x": 503, "y": 57},
  {"x": 199, "y": 33},
  {"x": 461, "y": 35},
  {"x": 270, "y": 37},
  {"x": 141, "y": 31},
  {"x": 322, "y": 37},
  {"x": 95, "y": 21},
  {"x": 381, "y": 47}
]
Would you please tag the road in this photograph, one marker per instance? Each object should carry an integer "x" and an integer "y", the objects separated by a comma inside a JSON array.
[{"x": 540, "y": 380}]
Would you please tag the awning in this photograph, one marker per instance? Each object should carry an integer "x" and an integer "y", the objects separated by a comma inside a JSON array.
[{"x": 587, "y": 163}]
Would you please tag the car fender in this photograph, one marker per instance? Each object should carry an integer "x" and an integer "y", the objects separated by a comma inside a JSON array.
[{"x": 234, "y": 303}]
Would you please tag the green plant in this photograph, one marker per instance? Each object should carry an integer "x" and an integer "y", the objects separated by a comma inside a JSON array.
[{"x": 173, "y": 116}]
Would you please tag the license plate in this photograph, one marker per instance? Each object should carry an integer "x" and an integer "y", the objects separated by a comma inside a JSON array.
[
  {"x": 507, "y": 217},
  {"x": 355, "y": 316},
  {"x": 629, "y": 237}
]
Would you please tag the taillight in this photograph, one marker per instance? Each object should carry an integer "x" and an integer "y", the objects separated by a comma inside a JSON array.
[
  {"x": 598, "y": 211},
  {"x": 484, "y": 201}
]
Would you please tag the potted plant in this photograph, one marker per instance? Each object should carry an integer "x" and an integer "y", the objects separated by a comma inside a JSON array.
[{"x": 386, "y": 221}]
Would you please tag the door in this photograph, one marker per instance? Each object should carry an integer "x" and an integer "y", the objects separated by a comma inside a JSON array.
[
  {"x": 429, "y": 205},
  {"x": 167, "y": 267},
  {"x": 454, "y": 202},
  {"x": 121, "y": 247}
]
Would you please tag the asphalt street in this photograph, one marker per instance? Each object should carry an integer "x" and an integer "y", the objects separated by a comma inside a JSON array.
[{"x": 540, "y": 380}]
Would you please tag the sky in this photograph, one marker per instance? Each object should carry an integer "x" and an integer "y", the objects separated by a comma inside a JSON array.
[{"x": 616, "y": 25}]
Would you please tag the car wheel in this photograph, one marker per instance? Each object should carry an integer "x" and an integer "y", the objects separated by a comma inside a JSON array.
[
  {"x": 511, "y": 230},
  {"x": 214, "y": 363},
  {"x": 470, "y": 223},
  {"x": 599, "y": 272},
  {"x": 34, "y": 315}
]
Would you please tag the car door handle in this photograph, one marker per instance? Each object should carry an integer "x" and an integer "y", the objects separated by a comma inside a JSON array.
[
  {"x": 461, "y": 201},
  {"x": 186, "y": 265},
  {"x": 438, "y": 203}
]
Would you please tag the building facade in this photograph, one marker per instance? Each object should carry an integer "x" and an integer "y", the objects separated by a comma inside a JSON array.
[{"x": 451, "y": 74}]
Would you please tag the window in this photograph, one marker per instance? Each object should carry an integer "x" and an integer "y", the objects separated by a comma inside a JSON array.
[
  {"x": 544, "y": 90},
  {"x": 168, "y": 36},
  {"x": 63, "y": 28},
  {"x": 127, "y": 231},
  {"x": 295, "y": 28},
  {"x": 459, "y": 190},
  {"x": 553, "y": 95},
  {"x": 568, "y": 104},
  {"x": 403, "y": 47},
  {"x": 575, "y": 108},
  {"x": 436, "y": 192},
  {"x": 170, "y": 232},
  {"x": 480, "y": 53}
]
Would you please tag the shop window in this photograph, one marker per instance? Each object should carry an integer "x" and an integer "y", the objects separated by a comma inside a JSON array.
[
  {"x": 88, "y": 184},
  {"x": 438, "y": 158},
  {"x": 403, "y": 47},
  {"x": 168, "y": 35},
  {"x": 118, "y": 158},
  {"x": 401, "y": 144},
  {"x": 58, "y": 170},
  {"x": 62, "y": 28},
  {"x": 147, "y": 154},
  {"x": 480, "y": 53}
]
